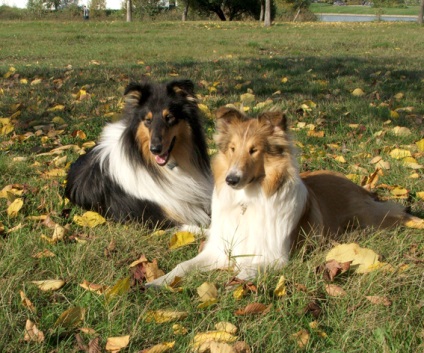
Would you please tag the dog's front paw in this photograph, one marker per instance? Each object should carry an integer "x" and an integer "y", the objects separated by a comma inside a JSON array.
[
  {"x": 157, "y": 283},
  {"x": 193, "y": 229}
]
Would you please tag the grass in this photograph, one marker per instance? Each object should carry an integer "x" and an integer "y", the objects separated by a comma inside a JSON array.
[{"x": 291, "y": 64}]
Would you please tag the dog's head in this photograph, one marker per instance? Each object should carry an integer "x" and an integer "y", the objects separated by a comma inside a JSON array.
[
  {"x": 250, "y": 149},
  {"x": 158, "y": 115}
]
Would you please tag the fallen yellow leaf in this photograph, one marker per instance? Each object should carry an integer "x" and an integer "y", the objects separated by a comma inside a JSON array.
[
  {"x": 89, "y": 219},
  {"x": 281, "y": 290},
  {"x": 49, "y": 284},
  {"x": 226, "y": 327},
  {"x": 399, "y": 153},
  {"x": 15, "y": 207},
  {"x": 207, "y": 291},
  {"x": 420, "y": 145},
  {"x": 357, "y": 92},
  {"x": 121, "y": 287},
  {"x": 70, "y": 319},
  {"x": 160, "y": 348},
  {"x": 363, "y": 259},
  {"x": 115, "y": 344},
  {"x": 161, "y": 316},
  {"x": 180, "y": 239}
]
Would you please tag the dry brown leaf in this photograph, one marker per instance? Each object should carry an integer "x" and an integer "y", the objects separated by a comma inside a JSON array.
[
  {"x": 153, "y": 271},
  {"x": 254, "y": 308},
  {"x": 302, "y": 338},
  {"x": 379, "y": 300},
  {"x": 334, "y": 290},
  {"x": 141, "y": 260},
  {"x": 32, "y": 333},
  {"x": 26, "y": 302},
  {"x": 241, "y": 347},
  {"x": 115, "y": 344},
  {"x": 44, "y": 253},
  {"x": 92, "y": 287}
]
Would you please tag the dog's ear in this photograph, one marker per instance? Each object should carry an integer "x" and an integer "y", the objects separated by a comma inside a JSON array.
[
  {"x": 137, "y": 93},
  {"x": 183, "y": 88},
  {"x": 227, "y": 115},
  {"x": 276, "y": 119}
]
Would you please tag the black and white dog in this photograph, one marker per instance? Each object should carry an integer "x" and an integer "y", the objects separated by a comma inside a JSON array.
[{"x": 152, "y": 166}]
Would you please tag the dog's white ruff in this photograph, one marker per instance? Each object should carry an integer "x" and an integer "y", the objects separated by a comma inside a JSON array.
[
  {"x": 248, "y": 230},
  {"x": 186, "y": 193}
]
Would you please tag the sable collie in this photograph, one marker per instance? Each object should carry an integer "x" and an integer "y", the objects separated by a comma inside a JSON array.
[
  {"x": 262, "y": 206},
  {"x": 152, "y": 166}
]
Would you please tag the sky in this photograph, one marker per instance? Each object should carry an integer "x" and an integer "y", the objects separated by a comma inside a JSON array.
[{"x": 110, "y": 4}]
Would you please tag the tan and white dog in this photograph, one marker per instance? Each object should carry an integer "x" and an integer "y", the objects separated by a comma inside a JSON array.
[{"x": 262, "y": 206}]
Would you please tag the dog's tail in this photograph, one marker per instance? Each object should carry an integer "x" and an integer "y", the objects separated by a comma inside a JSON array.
[{"x": 390, "y": 214}]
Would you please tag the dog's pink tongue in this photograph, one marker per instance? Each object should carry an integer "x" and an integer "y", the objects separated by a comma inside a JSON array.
[{"x": 161, "y": 159}]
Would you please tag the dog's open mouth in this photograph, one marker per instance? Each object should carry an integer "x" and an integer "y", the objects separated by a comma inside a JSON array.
[{"x": 163, "y": 158}]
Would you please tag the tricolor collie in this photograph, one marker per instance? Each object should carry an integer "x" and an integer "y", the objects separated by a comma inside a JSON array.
[
  {"x": 152, "y": 166},
  {"x": 261, "y": 205}
]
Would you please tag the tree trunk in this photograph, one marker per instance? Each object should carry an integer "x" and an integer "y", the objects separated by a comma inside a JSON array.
[
  {"x": 421, "y": 14},
  {"x": 262, "y": 13},
  {"x": 129, "y": 10},
  {"x": 267, "y": 19},
  {"x": 220, "y": 13},
  {"x": 185, "y": 11}
]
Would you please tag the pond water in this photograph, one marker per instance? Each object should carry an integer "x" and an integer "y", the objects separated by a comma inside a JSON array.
[{"x": 326, "y": 17}]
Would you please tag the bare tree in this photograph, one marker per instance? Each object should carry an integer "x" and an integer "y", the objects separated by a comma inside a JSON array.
[
  {"x": 421, "y": 14},
  {"x": 267, "y": 18},
  {"x": 185, "y": 10},
  {"x": 129, "y": 10},
  {"x": 262, "y": 13}
]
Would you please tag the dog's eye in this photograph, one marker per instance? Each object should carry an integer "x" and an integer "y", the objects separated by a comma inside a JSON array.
[
  {"x": 232, "y": 148},
  {"x": 253, "y": 150},
  {"x": 147, "y": 122},
  {"x": 170, "y": 119}
]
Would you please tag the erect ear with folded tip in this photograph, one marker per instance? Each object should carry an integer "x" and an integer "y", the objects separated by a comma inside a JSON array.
[
  {"x": 226, "y": 116},
  {"x": 276, "y": 119},
  {"x": 137, "y": 93},
  {"x": 184, "y": 88}
]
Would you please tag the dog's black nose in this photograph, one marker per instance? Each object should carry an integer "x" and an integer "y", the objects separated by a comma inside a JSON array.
[
  {"x": 156, "y": 149},
  {"x": 232, "y": 179}
]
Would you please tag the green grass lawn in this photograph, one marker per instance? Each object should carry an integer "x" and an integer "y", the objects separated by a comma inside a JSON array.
[
  {"x": 61, "y": 82},
  {"x": 364, "y": 10}
]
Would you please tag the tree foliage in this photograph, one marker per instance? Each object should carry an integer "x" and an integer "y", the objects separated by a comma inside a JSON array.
[{"x": 229, "y": 9}]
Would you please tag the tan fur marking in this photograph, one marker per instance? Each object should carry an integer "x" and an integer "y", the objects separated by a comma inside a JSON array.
[
  {"x": 165, "y": 112},
  {"x": 143, "y": 138}
]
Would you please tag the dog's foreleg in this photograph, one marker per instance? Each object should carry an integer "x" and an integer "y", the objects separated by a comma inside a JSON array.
[
  {"x": 207, "y": 260},
  {"x": 248, "y": 271}
]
